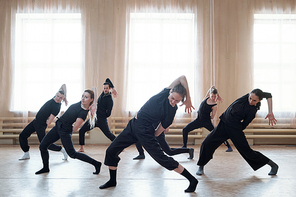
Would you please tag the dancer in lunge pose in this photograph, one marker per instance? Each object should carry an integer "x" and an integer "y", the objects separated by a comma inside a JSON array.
[
  {"x": 63, "y": 130},
  {"x": 43, "y": 118},
  {"x": 232, "y": 123},
  {"x": 206, "y": 112},
  {"x": 160, "y": 110},
  {"x": 166, "y": 148},
  {"x": 104, "y": 108}
]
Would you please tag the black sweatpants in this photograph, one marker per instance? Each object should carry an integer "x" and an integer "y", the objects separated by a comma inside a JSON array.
[
  {"x": 196, "y": 124},
  {"x": 102, "y": 123},
  {"x": 133, "y": 133},
  {"x": 56, "y": 133},
  {"x": 164, "y": 146},
  {"x": 220, "y": 134},
  {"x": 40, "y": 131}
]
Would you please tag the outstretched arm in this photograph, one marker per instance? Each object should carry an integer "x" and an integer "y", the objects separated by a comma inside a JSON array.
[
  {"x": 182, "y": 79},
  {"x": 270, "y": 115}
]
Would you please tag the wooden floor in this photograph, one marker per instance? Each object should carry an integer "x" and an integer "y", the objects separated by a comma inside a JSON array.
[{"x": 226, "y": 175}]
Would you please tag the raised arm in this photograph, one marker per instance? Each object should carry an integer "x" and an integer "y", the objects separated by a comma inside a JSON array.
[
  {"x": 187, "y": 102},
  {"x": 93, "y": 107},
  {"x": 64, "y": 89},
  {"x": 208, "y": 92},
  {"x": 114, "y": 92},
  {"x": 218, "y": 98}
]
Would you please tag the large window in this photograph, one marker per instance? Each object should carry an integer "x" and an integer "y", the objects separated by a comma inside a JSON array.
[
  {"x": 275, "y": 58},
  {"x": 161, "y": 48},
  {"x": 48, "y": 53}
]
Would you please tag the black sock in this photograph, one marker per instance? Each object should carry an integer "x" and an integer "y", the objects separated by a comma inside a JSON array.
[
  {"x": 97, "y": 165},
  {"x": 111, "y": 182},
  {"x": 193, "y": 181},
  {"x": 274, "y": 168},
  {"x": 140, "y": 156},
  {"x": 45, "y": 169}
]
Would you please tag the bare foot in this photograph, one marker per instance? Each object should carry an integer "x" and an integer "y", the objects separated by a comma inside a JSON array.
[{"x": 81, "y": 150}]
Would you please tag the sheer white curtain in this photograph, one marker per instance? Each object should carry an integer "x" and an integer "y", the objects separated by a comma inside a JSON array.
[{"x": 47, "y": 51}]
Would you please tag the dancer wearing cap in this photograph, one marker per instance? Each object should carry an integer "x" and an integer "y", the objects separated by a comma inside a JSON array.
[
  {"x": 104, "y": 108},
  {"x": 160, "y": 110},
  {"x": 64, "y": 128},
  {"x": 43, "y": 118}
]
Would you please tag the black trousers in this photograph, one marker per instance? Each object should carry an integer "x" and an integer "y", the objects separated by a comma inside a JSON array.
[
  {"x": 220, "y": 134},
  {"x": 195, "y": 124},
  {"x": 102, "y": 123},
  {"x": 56, "y": 133},
  {"x": 164, "y": 146},
  {"x": 144, "y": 134},
  {"x": 40, "y": 131}
]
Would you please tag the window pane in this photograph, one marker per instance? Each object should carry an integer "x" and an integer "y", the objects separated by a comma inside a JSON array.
[
  {"x": 274, "y": 58},
  {"x": 48, "y": 53},
  {"x": 161, "y": 48}
]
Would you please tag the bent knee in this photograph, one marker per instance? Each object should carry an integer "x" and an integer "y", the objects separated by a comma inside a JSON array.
[
  {"x": 43, "y": 147},
  {"x": 109, "y": 151}
]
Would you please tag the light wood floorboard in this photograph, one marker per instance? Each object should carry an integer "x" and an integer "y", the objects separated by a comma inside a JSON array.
[{"x": 225, "y": 175}]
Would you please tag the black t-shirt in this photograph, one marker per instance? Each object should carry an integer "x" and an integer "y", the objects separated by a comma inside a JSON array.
[
  {"x": 240, "y": 113},
  {"x": 204, "y": 111},
  {"x": 158, "y": 109},
  {"x": 50, "y": 107},
  {"x": 73, "y": 112},
  {"x": 104, "y": 105}
]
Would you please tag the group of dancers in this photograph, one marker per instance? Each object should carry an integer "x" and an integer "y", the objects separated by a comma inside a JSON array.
[{"x": 147, "y": 129}]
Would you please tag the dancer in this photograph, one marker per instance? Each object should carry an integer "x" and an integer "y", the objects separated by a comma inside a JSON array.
[
  {"x": 160, "y": 110},
  {"x": 232, "y": 123},
  {"x": 43, "y": 118},
  {"x": 166, "y": 148},
  {"x": 63, "y": 130},
  {"x": 206, "y": 112},
  {"x": 104, "y": 108}
]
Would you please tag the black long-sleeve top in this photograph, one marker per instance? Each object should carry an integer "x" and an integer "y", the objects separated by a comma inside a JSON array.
[
  {"x": 104, "y": 105},
  {"x": 157, "y": 110},
  {"x": 240, "y": 113}
]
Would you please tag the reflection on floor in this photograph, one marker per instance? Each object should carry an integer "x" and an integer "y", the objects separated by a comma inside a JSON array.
[{"x": 226, "y": 175}]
